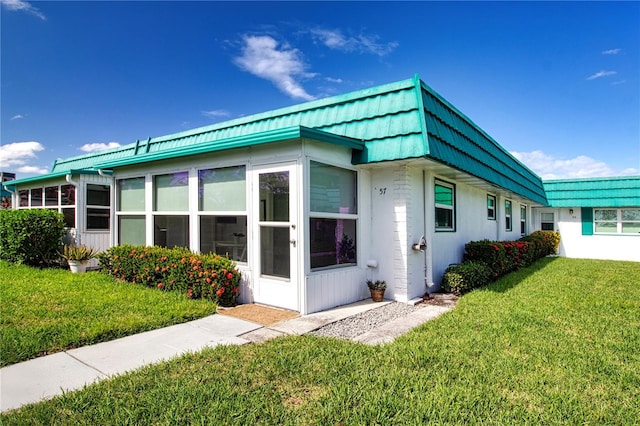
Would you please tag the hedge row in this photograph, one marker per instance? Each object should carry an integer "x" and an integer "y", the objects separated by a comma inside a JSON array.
[
  {"x": 207, "y": 276},
  {"x": 485, "y": 261},
  {"x": 31, "y": 237}
]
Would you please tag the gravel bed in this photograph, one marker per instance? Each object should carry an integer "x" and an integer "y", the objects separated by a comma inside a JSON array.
[{"x": 356, "y": 325}]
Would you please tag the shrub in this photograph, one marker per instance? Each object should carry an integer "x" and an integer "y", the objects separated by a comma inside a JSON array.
[
  {"x": 207, "y": 276},
  {"x": 460, "y": 279},
  {"x": 547, "y": 242},
  {"x": 31, "y": 237}
]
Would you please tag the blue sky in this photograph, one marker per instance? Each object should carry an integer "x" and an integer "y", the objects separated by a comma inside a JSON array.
[{"x": 555, "y": 83}]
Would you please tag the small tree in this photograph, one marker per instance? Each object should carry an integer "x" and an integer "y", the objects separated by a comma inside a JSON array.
[{"x": 32, "y": 237}]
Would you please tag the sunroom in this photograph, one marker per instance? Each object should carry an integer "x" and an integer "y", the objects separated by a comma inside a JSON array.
[{"x": 283, "y": 205}]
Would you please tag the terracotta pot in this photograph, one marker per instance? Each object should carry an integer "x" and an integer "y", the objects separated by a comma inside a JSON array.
[{"x": 377, "y": 295}]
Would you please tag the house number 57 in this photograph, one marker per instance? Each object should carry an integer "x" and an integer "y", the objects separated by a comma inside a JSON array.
[{"x": 383, "y": 191}]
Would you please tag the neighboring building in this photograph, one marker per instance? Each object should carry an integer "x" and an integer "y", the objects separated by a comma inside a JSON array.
[
  {"x": 384, "y": 183},
  {"x": 5, "y": 196},
  {"x": 598, "y": 218}
]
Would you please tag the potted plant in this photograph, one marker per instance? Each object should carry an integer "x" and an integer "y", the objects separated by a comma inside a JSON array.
[
  {"x": 78, "y": 256},
  {"x": 377, "y": 289}
]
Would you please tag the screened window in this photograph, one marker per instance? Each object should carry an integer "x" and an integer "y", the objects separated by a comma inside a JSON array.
[
  {"x": 523, "y": 219},
  {"x": 67, "y": 195},
  {"x": 445, "y": 206},
  {"x": 333, "y": 189},
  {"x": 223, "y": 189},
  {"x": 51, "y": 196},
  {"x": 491, "y": 207},
  {"x": 547, "y": 221},
  {"x": 171, "y": 231},
  {"x": 508, "y": 225},
  {"x": 132, "y": 230},
  {"x": 131, "y": 195},
  {"x": 224, "y": 235},
  {"x": 24, "y": 198},
  {"x": 171, "y": 192},
  {"x": 617, "y": 221},
  {"x": 36, "y": 197},
  {"x": 333, "y": 216},
  {"x": 222, "y": 195},
  {"x": 98, "y": 207},
  {"x": 60, "y": 198}
]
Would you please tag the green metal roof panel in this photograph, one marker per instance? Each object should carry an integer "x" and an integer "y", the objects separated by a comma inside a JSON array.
[
  {"x": 455, "y": 140},
  {"x": 386, "y": 113},
  {"x": 48, "y": 176},
  {"x": 277, "y": 135},
  {"x": 621, "y": 191},
  {"x": 401, "y": 120}
]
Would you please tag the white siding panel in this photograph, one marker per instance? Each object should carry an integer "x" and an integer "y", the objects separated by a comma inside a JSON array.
[
  {"x": 334, "y": 288},
  {"x": 246, "y": 285}
]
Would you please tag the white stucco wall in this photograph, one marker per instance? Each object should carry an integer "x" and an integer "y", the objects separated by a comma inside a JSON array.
[{"x": 575, "y": 245}]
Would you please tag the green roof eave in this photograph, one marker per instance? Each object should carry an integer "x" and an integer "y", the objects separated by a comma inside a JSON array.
[
  {"x": 49, "y": 176},
  {"x": 269, "y": 136}
]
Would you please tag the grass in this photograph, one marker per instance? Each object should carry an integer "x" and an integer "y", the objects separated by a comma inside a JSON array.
[
  {"x": 556, "y": 343},
  {"x": 50, "y": 310}
]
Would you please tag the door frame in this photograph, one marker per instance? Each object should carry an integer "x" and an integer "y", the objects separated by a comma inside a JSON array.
[{"x": 270, "y": 290}]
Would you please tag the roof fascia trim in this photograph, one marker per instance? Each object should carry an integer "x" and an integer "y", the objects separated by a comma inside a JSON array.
[{"x": 270, "y": 136}]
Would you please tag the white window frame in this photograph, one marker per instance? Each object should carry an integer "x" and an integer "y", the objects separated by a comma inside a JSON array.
[
  {"x": 523, "y": 219},
  {"x": 491, "y": 212},
  {"x": 618, "y": 221},
  {"x": 452, "y": 207},
  {"x": 201, "y": 212},
  {"x": 508, "y": 215},
  {"x": 337, "y": 216},
  {"x": 106, "y": 208}
]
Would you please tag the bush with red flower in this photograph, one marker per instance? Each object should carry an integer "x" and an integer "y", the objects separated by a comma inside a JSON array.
[
  {"x": 208, "y": 276},
  {"x": 500, "y": 258}
]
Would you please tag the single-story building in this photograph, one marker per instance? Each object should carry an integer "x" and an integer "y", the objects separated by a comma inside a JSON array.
[
  {"x": 598, "y": 218},
  {"x": 311, "y": 200}
]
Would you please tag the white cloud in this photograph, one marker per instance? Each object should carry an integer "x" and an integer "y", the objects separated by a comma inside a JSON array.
[
  {"x": 17, "y": 153},
  {"x": 98, "y": 146},
  {"x": 549, "y": 167},
  {"x": 333, "y": 80},
  {"x": 282, "y": 66},
  {"x": 17, "y": 117},
  {"x": 33, "y": 170},
  {"x": 335, "y": 39},
  {"x": 15, "y": 5},
  {"x": 612, "y": 51},
  {"x": 216, "y": 113},
  {"x": 600, "y": 74}
]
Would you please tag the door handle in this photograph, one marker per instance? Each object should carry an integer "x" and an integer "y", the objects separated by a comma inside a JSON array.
[{"x": 293, "y": 242}]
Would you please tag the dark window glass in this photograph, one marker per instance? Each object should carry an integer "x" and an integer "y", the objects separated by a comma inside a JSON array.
[
  {"x": 332, "y": 242},
  {"x": 98, "y": 218},
  {"x": 68, "y": 193},
  {"x": 171, "y": 231},
  {"x": 51, "y": 196},
  {"x": 98, "y": 195},
  {"x": 69, "y": 217},
  {"x": 36, "y": 197},
  {"x": 224, "y": 235}
]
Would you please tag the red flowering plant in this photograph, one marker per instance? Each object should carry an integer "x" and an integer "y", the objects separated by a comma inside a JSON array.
[{"x": 197, "y": 276}]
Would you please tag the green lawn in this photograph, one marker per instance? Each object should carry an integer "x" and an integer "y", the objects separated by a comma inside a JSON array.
[
  {"x": 556, "y": 343},
  {"x": 49, "y": 310}
]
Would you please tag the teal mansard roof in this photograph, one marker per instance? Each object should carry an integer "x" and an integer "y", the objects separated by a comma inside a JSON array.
[
  {"x": 621, "y": 191},
  {"x": 396, "y": 121}
]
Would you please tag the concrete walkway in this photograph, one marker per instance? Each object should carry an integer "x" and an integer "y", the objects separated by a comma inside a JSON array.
[{"x": 51, "y": 375}]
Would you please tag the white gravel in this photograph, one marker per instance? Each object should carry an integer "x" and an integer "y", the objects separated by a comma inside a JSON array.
[{"x": 356, "y": 325}]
